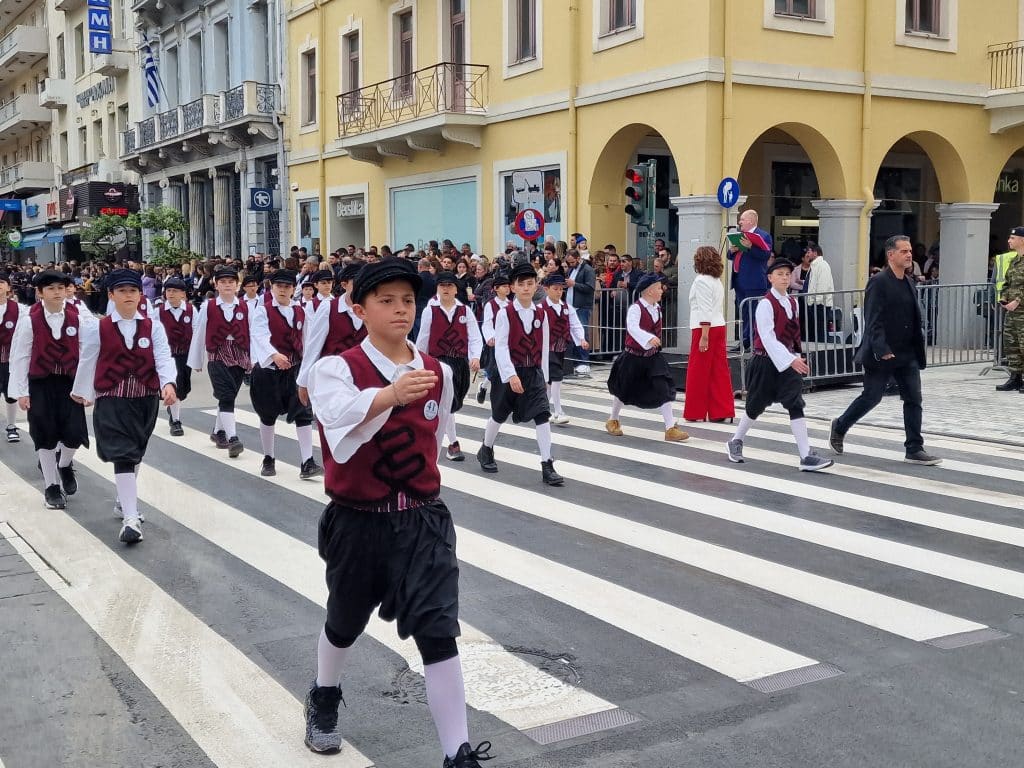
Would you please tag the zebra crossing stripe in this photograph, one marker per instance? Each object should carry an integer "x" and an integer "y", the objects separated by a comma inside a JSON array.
[{"x": 234, "y": 711}]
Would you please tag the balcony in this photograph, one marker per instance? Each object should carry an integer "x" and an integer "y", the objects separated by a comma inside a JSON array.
[
  {"x": 55, "y": 93},
  {"x": 21, "y": 114},
  {"x": 232, "y": 119},
  {"x": 20, "y": 49},
  {"x": 68, "y": 5},
  {"x": 420, "y": 111},
  {"x": 11, "y": 8},
  {"x": 1005, "y": 99},
  {"x": 25, "y": 177},
  {"x": 116, "y": 63}
]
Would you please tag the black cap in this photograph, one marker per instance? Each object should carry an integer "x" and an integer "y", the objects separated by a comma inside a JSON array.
[
  {"x": 225, "y": 272},
  {"x": 250, "y": 280},
  {"x": 322, "y": 274},
  {"x": 350, "y": 270},
  {"x": 647, "y": 280},
  {"x": 555, "y": 278},
  {"x": 445, "y": 278},
  {"x": 500, "y": 278},
  {"x": 118, "y": 278},
  {"x": 50, "y": 277},
  {"x": 387, "y": 271},
  {"x": 522, "y": 270},
  {"x": 286, "y": 276},
  {"x": 1017, "y": 232},
  {"x": 175, "y": 282},
  {"x": 780, "y": 264}
]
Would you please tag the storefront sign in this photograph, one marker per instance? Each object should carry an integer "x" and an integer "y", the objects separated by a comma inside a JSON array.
[
  {"x": 351, "y": 207},
  {"x": 113, "y": 211},
  {"x": 97, "y": 92},
  {"x": 113, "y": 193},
  {"x": 53, "y": 211},
  {"x": 8, "y": 204},
  {"x": 14, "y": 238},
  {"x": 101, "y": 28}
]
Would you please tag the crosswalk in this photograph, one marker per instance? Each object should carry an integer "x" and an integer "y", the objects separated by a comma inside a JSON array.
[{"x": 656, "y": 561}]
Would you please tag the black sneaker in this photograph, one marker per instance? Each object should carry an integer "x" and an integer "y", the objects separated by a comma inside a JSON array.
[
  {"x": 131, "y": 531},
  {"x": 13, "y": 436},
  {"x": 835, "y": 437},
  {"x": 220, "y": 437},
  {"x": 310, "y": 469},
  {"x": 469, "y": 758},
  {"x": 322, "y": 732},
  {"x": 547, "y": 470},
  {"x": 481, "y": 394},
  {"x": 922, "y": 458},
  {"x": 454, "y": 452},
  {"x": 176, "y": 429},
  {"x": 54, "y": 497},
  {"x": 235, "y": 447},
  {"x": 68, "y": 480},
  {"x": 486, "y": 458},
  {"x": 269, "y": 468}
]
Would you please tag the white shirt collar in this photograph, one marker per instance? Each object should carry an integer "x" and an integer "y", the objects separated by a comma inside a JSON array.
[
  {"x": 550, "y": 303},
  {"x": 387, "y": 368},
  {"x": 58, "y": 313},
  {"x": 222, "y": 303},
  {"x": 116, "y": 316},
  {"x": 648, "y": 304},
  {"x": 782, "y": 297}
]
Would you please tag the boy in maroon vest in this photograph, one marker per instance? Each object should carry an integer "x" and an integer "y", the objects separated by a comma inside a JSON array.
[
  {"x": 387, "y": 538},
  {"x": 222, "y": 333},
  {"x": 521, "y": 339},
  {"x": 777, "y": 369},
  {"x": 251, "y": 292},
  {"x": 565, "y": 328},
  {"x": 448, "y": 331},
  {"x": 126, "y": 370},
  {"x": 323, "y": 281},
  {"x": 45, "y": 352},
  {"x": 10, "y": 312},
  {"x": 275, "y": 346},
  {"x": 488, "y": 367},
  {"x": 178, "y": 316},
  {"x": 335, "y": 328}
]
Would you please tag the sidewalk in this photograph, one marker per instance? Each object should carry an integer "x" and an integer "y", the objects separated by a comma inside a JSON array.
[{"x": 958, "y": 402}]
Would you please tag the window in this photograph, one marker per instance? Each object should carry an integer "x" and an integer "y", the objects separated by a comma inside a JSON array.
[
  {"x": 63, "y": 149},
  {"x": 170, "y": 74},
  {"x": 196, "y": 70},
  {"x": 621, "y": 15},
  {"x": 62, "y": 69},
  {"x": 221, "y": 71},
  {"x": 83, "y": 145},
  {"x": 97, "y": 132},
  {"x": 308, "y": 85},
  {"x": 525, "y": 30},
  {"x": 457, "y": 19},
  {"x": 801, "y": 8},
  {"x": 79, "y": 50},
  {"x": 617, "y": 22},
  {"x": 122, "y": 118},
  {"x": 923, "y": 17},
  {"x": 404, "y": 53},
  {"x": 352, "y": 80}
]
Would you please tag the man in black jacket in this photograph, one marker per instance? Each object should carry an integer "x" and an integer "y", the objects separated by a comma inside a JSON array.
[
  {"x": 580, "y": 284},
  {"x": 893, "y": 346}
]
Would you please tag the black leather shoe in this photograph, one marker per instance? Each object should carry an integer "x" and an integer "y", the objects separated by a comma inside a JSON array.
[
  {"x": 547, "y": 469},
  {"x": 486, "y": 458},
  {"x": 176, "y": 429},
  {"x": 835, "y": 438},
  {"x": 1012, "y": 383}
]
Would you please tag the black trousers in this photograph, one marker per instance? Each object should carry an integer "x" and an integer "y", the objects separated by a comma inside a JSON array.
[{"x": 908, "y": 379}]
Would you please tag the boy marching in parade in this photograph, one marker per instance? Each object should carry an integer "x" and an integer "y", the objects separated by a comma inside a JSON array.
[
  {"x": 387, "y": 538},
  {"x": 565, "y": 328},
  {"x": 178, "y": 317},
  {"x": 488, "y": 368},
  {"x": 10, "y": 312}
]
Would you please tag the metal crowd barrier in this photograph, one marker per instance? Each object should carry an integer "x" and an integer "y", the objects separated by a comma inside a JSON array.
[{"x": 961, "y": 324}]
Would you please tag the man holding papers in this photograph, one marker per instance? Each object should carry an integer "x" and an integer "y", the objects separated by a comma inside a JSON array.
[{"x": 749, "y": 252}]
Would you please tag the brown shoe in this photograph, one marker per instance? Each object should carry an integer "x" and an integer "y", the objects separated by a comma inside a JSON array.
[
  {"x": 676, "y": 435},
  {"x": 613, "y": 427}
]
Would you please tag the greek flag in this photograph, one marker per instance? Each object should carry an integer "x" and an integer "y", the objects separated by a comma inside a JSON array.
[{"x": 152, "y": 75}]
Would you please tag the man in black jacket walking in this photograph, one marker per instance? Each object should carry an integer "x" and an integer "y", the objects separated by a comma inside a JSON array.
[
  {"x": 580, "y": 285},
  {"x": 893, "y": 346}
]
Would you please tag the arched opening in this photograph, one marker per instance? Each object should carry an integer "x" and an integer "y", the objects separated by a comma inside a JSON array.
[{"x": 1009, "y": 196}]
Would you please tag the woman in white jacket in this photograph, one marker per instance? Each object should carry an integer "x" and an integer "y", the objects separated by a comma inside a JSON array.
[{"x": 708, "y": 382}]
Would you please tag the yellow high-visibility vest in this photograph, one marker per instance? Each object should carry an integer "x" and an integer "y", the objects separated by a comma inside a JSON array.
[{"x": 1002, "y": 265}]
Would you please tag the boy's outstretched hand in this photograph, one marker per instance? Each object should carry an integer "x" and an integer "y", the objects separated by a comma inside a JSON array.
[{"x": 413, "y": 385}]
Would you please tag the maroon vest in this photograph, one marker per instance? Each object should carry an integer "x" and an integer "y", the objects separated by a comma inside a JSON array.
[
  {"x": 396, "y": 468},
  {"x": 7, "y": 324},
  {"x": 341, "y": 333},
  {"x": 144, "y": 306},
  {"x": 179, "y": 332},
  {"x": 787, "y": 330},
  {"x": 52, "y": 356},
  {"x": 286, "y": 339},
  {"x": 449, "y": 339},
  {"x": 648, "y": 324},
  {"x": 123, "y": 372},
  {"x": 218, "y": 329},
  {"x": 525, "y": 349},
  {"x": 558, "y": 328}
]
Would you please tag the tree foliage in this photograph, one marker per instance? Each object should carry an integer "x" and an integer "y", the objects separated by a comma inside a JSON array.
[
  {"x": 104, "y": 236},
  {"x": 167, "y": 227}
]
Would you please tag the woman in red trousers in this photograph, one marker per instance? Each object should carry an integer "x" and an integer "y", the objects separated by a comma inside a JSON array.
[{"x": 708, "y": 382}]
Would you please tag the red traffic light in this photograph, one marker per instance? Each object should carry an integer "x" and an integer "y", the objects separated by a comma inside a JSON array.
[
  {"x": 632, "y": 193},
  {"x": 634, "y": 176}
]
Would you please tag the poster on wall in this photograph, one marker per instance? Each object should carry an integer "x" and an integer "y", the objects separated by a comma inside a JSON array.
[{"x": 539, "y": 188}]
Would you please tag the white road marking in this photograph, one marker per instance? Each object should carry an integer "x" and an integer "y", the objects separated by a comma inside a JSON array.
[{"x": 232, "y": 709}]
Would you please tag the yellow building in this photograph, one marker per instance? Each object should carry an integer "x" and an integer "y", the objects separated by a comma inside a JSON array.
[{"x": 844, "y": 122}]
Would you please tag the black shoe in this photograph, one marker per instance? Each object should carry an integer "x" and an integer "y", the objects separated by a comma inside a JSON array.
[
  {"x": 835, "y": 438},
  {"x": 68, "y": 480},
  {"x": 54, "y": 498},
  {"x": 454, "y": 452},
  {"x": 547, "y": 469},
  {"x": 235, "y": 447},
  {"x": 220, "y": 437},
  {"x": 469, "y": 758},
  {"x": 310, "y": 469},
  {"x": 486, "y": 458},
  {"x": 269, "y": 468},
  {"x": 481, "y": 395},
  {"x": 176, "y": 429},
  {"x": 13, "y": 436},
  {"x": 891, "y": 390},
  {"x": 322, "y": 732},
  {"x": 1012, "y": 383},
  {"x": 922, "y": 458}
]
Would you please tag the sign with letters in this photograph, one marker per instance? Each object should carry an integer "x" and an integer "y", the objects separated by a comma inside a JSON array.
[{"x": 101, "y": 27}]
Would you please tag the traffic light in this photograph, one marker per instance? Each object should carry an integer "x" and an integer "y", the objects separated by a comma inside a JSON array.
[{"x": 641, "y": 193}]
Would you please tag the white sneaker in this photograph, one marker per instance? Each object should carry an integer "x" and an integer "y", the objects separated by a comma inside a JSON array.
[
  {"x": 582, "y": 370},
  {"x": 131, "y": 531},
  {"x": 560, "y": 419}
]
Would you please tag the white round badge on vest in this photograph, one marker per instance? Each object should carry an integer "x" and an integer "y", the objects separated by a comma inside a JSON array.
[
  {"x": 239, "y": 316},
  {"x": 298, "y": 325},
  {"x": 187, "y": 318},
  {"x": 430, "y": 410},
  {"x": 537, "y": 323},
  {"x": 463, "y": 319},
  {"x": 9, "y": 324},
  {"x": 143, "y": 343},
  {"x": 72, "y": 331}
]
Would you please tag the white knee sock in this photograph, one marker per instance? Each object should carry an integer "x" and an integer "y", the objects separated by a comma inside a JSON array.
[
  {"x": 616, "y": 409},
  {"x": 446, "y": 697},
  {"x": 803, "y": 442},
  {"x": 666, "y": 414},
  {"x": 128, "y": 494},
  {"x": 48, "y": 463},
  {"x": 305, "y": 437},
  {"x": 227, "y": 421},
  {"x": 176, "y": 411},
  {"x": 544, "y": 440},
  {"x": 217, "y": 426},
  {"x": 449, "y": 429},
  {"x": 12, "y": 414},
  {"x": 267, "y": 439},
  {"x": 743, "y": 427},
  {"x": 556, "y": 397},
  {"x": 491, "y": 432},
  {"x": 66, "y": 456},
  {"x": 330, "y": 661}
]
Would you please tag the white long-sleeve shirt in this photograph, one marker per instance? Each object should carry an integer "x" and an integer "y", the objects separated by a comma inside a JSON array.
[
  {"x": 261, "y": 349},
  {"x": 640, "y": 336},
  {"x": 764, "y": 316},
  {"x": 820, "y": 281},
  {"x": 89, "y": 335},
  {"x": 342, "y": 408},
  {"x": 487, "y": 326},
  {"x": 318, "y": 325},
  {"x": 197, "y": 352},
  {"x": 707, "y": 297},
  {"x": 575, "y": 326},
  {"x": 476, "y": 343},
  {"x": 21, "y": 345},
  {"x": 506, "y": 370}
]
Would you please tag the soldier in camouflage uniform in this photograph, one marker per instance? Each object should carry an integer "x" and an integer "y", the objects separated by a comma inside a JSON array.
[{"x": 1012, "y": 300}]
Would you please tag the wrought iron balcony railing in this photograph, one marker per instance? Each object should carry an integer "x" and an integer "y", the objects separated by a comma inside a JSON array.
[
  {"x": 1006, "y": 65},
  {"x": 445, "y": 88}
]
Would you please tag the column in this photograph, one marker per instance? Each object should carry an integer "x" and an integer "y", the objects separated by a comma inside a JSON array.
[
  {"x": 222, "y": 214},
  {"x": 839, "y": 238},
  {"x": 950, "y": 317},
  {"x": 700, "y": 223},
  {"x": 174, "y": 196},
  {"x": 196, "y": 221}
]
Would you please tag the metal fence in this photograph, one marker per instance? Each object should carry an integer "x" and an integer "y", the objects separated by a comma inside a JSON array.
[{"x": 961, "y": 325}]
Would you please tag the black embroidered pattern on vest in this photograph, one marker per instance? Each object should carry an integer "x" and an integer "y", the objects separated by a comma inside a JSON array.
[{"x": 399, "y": 462}]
